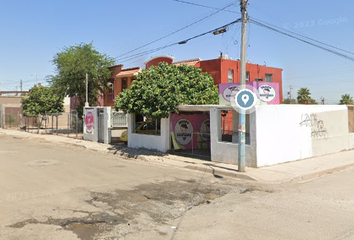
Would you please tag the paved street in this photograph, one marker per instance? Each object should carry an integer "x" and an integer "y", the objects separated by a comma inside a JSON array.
[{"x": 58, "y": 191}]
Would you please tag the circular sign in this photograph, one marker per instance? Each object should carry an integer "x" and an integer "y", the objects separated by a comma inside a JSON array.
[
  {"x": 183, "y": 131},
  {"x": 245, "y": 99},
  {"x": 266, "y": 93},
  {"x": 89, "y": 121},
  {"x": 205, "y": 130},
  {"x": 230, "y": 93}
]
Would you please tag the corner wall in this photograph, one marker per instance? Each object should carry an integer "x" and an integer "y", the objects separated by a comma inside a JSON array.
[
  {"x": 227, "y": 152},
  {"x": 293, "y": 132}
]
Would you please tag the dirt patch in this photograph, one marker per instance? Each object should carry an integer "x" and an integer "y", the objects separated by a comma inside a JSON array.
[
  {"x": 85, "y": 228},
  {"x": 148, "y": 206}
]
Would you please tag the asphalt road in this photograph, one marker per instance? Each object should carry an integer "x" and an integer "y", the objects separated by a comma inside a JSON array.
[{"x": 51, "y": 191}]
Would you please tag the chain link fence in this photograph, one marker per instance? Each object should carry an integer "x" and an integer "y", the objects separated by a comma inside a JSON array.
[{"x": 68, "y": 124}]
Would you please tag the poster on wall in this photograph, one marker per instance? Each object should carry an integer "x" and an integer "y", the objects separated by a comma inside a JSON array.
[
  {"x": 190, "y": 130},
  {"x": 183, "y": 131},
  {"x": 89, "y": 121},
  {"x": 205, "y": 130},
  {"x": 266, "y": 91}
]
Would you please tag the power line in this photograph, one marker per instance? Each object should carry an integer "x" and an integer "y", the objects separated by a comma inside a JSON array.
[
  {"x": 200, "y": 5},
  {"x": 302, "y": 40},
  {"x": 303, "y": 36},
  {"x": 177, "y": 43},
  {"x": 174, "y": 32}
]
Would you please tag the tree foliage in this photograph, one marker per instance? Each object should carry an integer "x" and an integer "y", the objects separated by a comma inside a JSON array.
[
  {"x": 346, "y": 99},
  {"x": 160, "y": 89},
  {"x": 289, "y": 101},
  {"x": 42, "y": 100},
  {"x": 303, "y": 96},
  {"x": 73, "y": 63},
  {"x": 312, "y": 101}
]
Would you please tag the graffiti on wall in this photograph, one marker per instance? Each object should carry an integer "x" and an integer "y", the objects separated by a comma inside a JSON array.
[{"x": 318, "y": 129}]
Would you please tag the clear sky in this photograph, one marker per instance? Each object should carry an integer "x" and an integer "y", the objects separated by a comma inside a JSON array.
[{"x": 32, "y": 32}]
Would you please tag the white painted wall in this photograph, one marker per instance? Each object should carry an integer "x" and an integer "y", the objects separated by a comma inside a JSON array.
[
  {"x": 283, "y": 134},
  {"x": 279, "y": 133},
  {"x": 161, "y": 143},
  {"x": 227, "y": 152}
]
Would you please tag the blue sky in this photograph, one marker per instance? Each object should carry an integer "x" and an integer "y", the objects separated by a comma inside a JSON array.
[{"x": 34, "y": 31}]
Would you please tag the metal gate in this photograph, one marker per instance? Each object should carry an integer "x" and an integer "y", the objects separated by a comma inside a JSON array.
[{"x": 101, "y": 125}]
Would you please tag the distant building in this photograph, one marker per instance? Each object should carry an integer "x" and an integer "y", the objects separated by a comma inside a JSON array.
[
  {"x": 120, "y": 80},
  {"x": 10, "y": 108}
]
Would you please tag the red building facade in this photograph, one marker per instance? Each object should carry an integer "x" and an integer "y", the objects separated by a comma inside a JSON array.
[
  {"x": 228, "y": 71},
  {"x": 222, "y": 70},
  {"x": 120, "y": 80}
]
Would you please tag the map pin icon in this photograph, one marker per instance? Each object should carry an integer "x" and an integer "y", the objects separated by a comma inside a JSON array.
[{"x": 245, "y": 98}]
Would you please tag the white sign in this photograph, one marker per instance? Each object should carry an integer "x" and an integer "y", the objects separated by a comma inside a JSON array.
[
  {"x": 205, "y": 130},
  {"x": 230, "y": 93},
  {"x": 266, "y": 93},
  {"x": 183, "y": 131}
]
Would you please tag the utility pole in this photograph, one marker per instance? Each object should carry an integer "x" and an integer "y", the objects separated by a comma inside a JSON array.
[
  {"x": 242, "y": 114},
  {"x": 21, "y": 85},
  {"x": 289, "y": 93},
  {"x": 87, "y": 102}
]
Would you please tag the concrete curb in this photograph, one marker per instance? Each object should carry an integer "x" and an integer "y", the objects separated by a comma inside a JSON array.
[
  {"x": 319, "y": 174},
  {"x": 220, "y": 173}
]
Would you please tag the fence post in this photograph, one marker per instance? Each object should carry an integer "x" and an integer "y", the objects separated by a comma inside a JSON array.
[
  {"x": 68, "y": 125},
  {"x": 45, "y": 122},
  {"x": 57, "y": 122},
  {"x": 52, "y": 123},
  {"x": 38, "y": 123},
  {"x": 77, "y": 123}
]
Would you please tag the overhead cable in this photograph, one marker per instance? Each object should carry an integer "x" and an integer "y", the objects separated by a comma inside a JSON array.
[
  {"x": 302, "y": 40},
  {"x": 174, "y": 32},
  {"x": 177, "y": 43},
  {"x": 200, "y": 5}
]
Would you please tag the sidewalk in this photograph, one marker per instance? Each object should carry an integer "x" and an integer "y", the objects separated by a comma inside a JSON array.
[{"x": 297, "y": 171}]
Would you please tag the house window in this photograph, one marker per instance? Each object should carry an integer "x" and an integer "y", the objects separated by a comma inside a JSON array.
[
  {"x": 226, "y": 126},
  {"x": 142, "y": 125},
  {"x": 231, "y": 76},
  {"x": 124, "y": 83},
  {"x": 110, "y": 86},
  {"x": 228, "y": 131},
  {"x": 247, "y": 76},
  {"x": 269, "y": 77}
]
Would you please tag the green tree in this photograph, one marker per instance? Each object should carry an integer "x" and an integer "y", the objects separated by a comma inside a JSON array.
[
  {"x": 72, "y": 64},
  {"x": 42, "y": 100},
  {"x": 289, "y": 101},
  {"x": 303, "y": 96},
  {"x": 312, "y": 101},
  {"x": 11, "y": 119},
  {"x": 160, "y": 89},
  {"x": 346, "y": 99}
]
